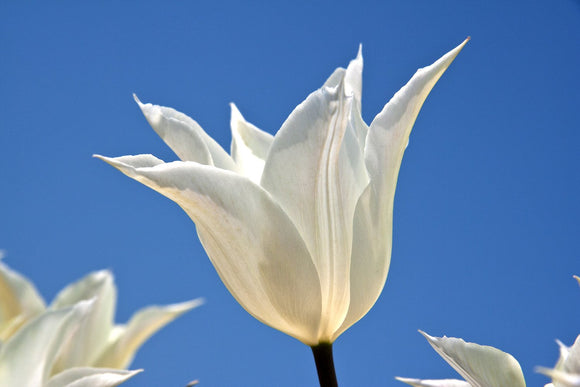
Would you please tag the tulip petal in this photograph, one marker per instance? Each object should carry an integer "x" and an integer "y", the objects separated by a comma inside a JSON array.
[
  {"x": 480, "y": 365},
  {"x": 385, "y": 143},
  {"x": 352, "y": 77},
  {"x": 91, "y": 377},
  {"x": 315, "y": 171},
  {"x": 93, "y": 332},
  {"x": 250, "y": 240},
  {"x": 19, "y": 301},
  {"x": 571, "y": 361},
  {"x": 26, "y": 359},
  {"x": 389, "y": 132},
  {"x": 127, "y": 339},
  {"x": 434, "y": 383},
  {"x": 185, "y": 137},
  {"x": 250, "y": 146}
]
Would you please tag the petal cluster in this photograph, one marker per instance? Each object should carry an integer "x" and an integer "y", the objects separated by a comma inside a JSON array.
[
  {"x": 73, "y": 341},
  {"x": 297, "y": 225}
]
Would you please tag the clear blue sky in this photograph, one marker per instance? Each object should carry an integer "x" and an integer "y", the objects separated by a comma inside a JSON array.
[{"x": 486, "y": 223}]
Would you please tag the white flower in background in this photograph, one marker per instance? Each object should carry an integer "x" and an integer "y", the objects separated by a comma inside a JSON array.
[
  {"x": 19, "y": 302},
  {"x": 26, "y": 359},
  {"x": 480, "y": 365},
  {"x": 74, "y": 341},
  {"x": 566, "y": 373},
  {"x": 484, "y": 366},
  {"x": 297, "y": 225}
]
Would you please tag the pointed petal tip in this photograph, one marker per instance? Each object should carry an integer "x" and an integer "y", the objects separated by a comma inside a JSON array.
[
  {"x": 543, "y": 370},
  {"x": 108, "y": 160},
  {"x": 102, "y": 274},
  {"x": 183, "y": 307},
  {"x": 236, "y": 115},
  {"x": 101, "y": 157},
  {"x": 141, "y": 104},
  {"x": 189, "y": 305},
  {"x": 427, "y": 336}
]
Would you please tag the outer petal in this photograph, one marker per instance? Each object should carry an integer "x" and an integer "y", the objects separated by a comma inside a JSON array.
[
  {"x": 91, "y": 377},
  {"x": 250, "y": 146},
  {"x": 480, "y": 365},
  {"x": 385, "y": 144},
  {"x": 251, "y": 242},
  {"x": 93, "y": 332},
  {"x": 389, "y": 131},
  {"x": 315, "y": 171},
  {"x": 126, "y": 340},
  {"x": 19, "y": 301},
  {"x": 185, "y": 137},
  {"x": 434, "y": 383},
  {"x": 26, "y": 359}
]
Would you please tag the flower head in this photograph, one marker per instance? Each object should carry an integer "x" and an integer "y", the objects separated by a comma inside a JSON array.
[
  {"x": 74, "y": 341},
  {"x": 297, "y": 225},
  {"x": 566, "y": 372}
]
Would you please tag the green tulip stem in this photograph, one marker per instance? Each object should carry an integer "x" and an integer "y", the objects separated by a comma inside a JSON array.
[{"x": 325, "y": 364}]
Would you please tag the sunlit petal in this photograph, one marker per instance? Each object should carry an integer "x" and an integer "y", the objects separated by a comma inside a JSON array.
[
  {"x": 480, "y": 365},
  {"x": 250, "y": 146},
  {"x": 253, "y": 245},
  {"x": 185, "y": 137},
  {"x": 315, "y": 171},
  {"x": 385, "y": 143}
]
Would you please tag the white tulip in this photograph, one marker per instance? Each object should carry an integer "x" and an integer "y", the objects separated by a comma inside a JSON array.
[
  {"x": 566, "y": 373},
  {"x": 298, "y": 226},
  {"x": 27, "y": 358},
  {"x": 73, "y": 342}
]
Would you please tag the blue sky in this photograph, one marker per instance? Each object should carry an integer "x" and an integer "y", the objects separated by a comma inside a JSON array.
[{"x": 486, "y": 212}]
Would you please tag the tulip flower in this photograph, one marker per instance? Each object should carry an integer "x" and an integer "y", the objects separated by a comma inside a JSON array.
[
  {"x": 75, "y": 337},
  {"x": 566, "y": 373},
  {"x": 297, "y": 225},
  {"x": 26, "y": 359},
  {"x": 480, "y": 365}
]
